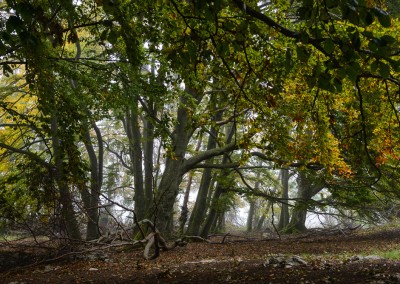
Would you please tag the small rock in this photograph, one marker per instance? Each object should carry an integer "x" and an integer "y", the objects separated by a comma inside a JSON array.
[
  {"x": 93, "y": 256},
  {"x": 93, "y": 269},
  {"x": 373, "y": 257},
  {"x": 285, "y": 262},
  {"x": 49, "y": 268},
  {"x": 299, "y": 260},
  {"x": 276, "y": 261},
  {"x": 364, "y": 258}
]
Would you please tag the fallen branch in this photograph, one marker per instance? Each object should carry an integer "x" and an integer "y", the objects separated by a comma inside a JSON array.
[
  {"x": 152, "y": 240},
  {"x": 223, "y": 239}
]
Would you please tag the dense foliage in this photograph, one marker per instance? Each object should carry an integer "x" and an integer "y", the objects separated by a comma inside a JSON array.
[{"x": 123, "y": 102}]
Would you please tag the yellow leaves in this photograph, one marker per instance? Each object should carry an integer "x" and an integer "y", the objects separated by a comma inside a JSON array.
[
  {"x": 187, "y": 31},
  {"x": 315, "y": 144},
  {"x": 380, "y": 160},
  {"x": 386, "y": 145},
  {"x": 172, "y": 16},
  {"x": 345, "y": 171}
]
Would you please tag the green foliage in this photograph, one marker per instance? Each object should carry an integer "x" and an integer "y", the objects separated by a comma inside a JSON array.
[{"x": 309, "y": 84}]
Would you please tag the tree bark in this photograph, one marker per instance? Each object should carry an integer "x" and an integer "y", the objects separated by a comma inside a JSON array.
[
  {"x": 260, "y": 223},
  {"x": 199, "y": 210},
  {"x": 308, "y": 185},
  {"x": 284, "y": 216},
  {"x": 219, "y": 223},
  {"x": 67, "y": 208},
  {"x": 250, "y": 216},
  {"x": 185, "y": 210},
  {"x": 92, "y": 199},
  {"x": 172, "y": 176},
  {"x": 219, "y": 190},
  {"x": 148, "y": 147},
  {"x": 132, "y": 129},
  {"x": 252, "y": 210},
  {"x": 176, "y": 166}
]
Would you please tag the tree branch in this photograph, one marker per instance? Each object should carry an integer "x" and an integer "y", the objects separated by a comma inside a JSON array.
[
  {"x": 119, "y": 156},
  {"x": 215, "y": 166},
  {"x": 278, "y": 27},
  {"x": 311, "y": 166},
  {"x": 205, "y": 155},
  {"x": 31, "y": 155}
]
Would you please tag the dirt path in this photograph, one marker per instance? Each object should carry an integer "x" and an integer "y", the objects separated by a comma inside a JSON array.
[{"x": 303, "y": 259}]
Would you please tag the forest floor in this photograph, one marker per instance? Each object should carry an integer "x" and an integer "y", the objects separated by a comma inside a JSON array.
[{"x": 362, "y": 256}]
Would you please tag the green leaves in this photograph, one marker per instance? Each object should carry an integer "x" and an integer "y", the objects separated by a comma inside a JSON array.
[
  {"x": 223, "y": 49},
  {"x": 328, "y": 45},
  {"x": 288, "y": 60},
  {"x": 350, "y": 71},
  {"x": 302, "y": 53},
  {"x": 350, "y": 11},
  {"x": 368, "y": 18},
  {"x": 3, "y": 49},
  {"x": 383, "y": 46},
  {"x": 382, "y": 68},
  {"x": 26, "y": 10},
  {"x": 383, "y": 17},
  {"x": 113, "y": 36},
  {"x": 7, "y": 70},
  {"x": 14, "y": 24},
  {"x": 328, "y": 83}
]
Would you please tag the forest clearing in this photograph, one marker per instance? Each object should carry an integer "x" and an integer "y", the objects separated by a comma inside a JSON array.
[{"x": 360, "y": 256}]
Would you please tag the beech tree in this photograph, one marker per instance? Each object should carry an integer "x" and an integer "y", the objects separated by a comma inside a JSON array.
[{"x": 310, "y": 85}]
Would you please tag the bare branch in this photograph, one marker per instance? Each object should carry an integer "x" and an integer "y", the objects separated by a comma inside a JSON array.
[{"x": 311, "y": 166}]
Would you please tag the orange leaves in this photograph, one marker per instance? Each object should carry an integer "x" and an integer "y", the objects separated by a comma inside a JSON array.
[
  {"x": 380, "y": 160},
  {"x": 388, "y": 153}
]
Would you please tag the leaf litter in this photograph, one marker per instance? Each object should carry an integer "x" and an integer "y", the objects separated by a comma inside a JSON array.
[{"x": 310, "y": 258}]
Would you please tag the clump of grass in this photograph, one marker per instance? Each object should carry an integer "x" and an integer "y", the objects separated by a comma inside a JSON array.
[
  {"x": 9, "y": 237},
  {"x": 390, "y": 254}
]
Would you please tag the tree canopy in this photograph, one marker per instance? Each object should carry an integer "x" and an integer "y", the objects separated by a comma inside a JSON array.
[{"x": 108, "y": 96}]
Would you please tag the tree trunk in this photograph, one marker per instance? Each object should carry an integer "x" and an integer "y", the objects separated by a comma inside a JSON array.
[
  {"x": 211, "y": 190},
  {"x": 92, "y": 200},
  {"x": 167, "y": 193},
  {"x": 219, "y": 190},
  {"x": 132, "y": 129},
  {"x": 67, "y": 208},
  {"x": 185, "y": 211},
  {"x": 260, "y": 223},
  {"x": 250, "y": 216},
  {"x": 219, "y": 224},
  {"x": 148, "y": 135},
  {"x": 199, "y": 210},
  {"x": 172, "y": 176},
  {"x": 308, "y": 185},
  {"x": 176, "y": 166},
  {"x": 252, "y": 210},
  {"x": 284, "y": 217}
]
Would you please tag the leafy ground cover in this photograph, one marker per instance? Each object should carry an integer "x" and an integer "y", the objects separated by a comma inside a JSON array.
[{"x": 360, "y": 257}]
